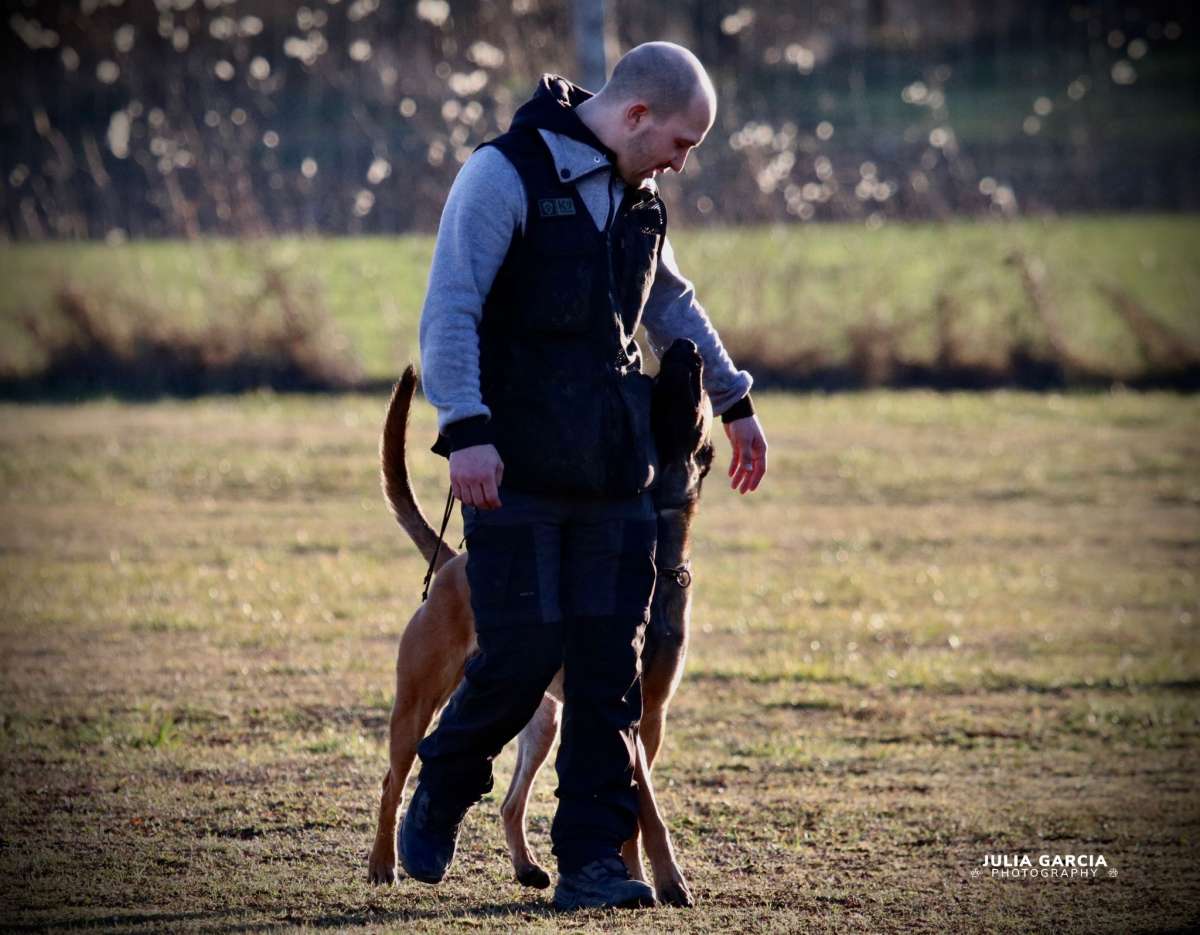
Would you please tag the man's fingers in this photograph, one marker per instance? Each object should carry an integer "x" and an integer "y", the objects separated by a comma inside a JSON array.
[
  {"x": 475, "y": 476},
  {"x": 748, "y": 464},
  {"x": 463, "y": 490},
  {"x": 760, "y": 467},
  {"x": 491, "y": 496},
  {"x": 743, "y": 458},
  {"x": 752, "y": 466},
  {"x": 485, "y": 490}
]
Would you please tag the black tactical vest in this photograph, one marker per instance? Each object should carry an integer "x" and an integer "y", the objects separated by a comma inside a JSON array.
[{"x": 559, "y": 367}]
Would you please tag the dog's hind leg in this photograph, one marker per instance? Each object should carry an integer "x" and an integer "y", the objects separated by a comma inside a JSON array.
[
  {"x": 649, "y": 736},
  {"x": 406, "y": 729},
  {"x": 631, "y": 850},
  {"x": 533, "y": 746},
  {"x": 659, "y": 681},
  {"x": 432, "y": 652},
  {"x": 669, "y": 883}
]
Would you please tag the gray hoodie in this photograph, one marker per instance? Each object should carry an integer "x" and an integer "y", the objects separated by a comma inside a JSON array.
[{"x": 485, "y": 207}]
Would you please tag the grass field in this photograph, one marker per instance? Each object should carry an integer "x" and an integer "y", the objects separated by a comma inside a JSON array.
[
  {"x": 786, "y": 290},
  {"x": 946, "y": 627}
]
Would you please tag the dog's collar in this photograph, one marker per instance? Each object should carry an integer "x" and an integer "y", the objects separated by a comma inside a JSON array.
[{"x": 680, "y": 574}]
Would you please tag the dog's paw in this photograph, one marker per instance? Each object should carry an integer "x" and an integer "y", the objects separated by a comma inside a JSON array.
[
  {"x": 675, "y": 892},
  {"x": 381, "y": 872},
  {"x": 533, "y": 876}
]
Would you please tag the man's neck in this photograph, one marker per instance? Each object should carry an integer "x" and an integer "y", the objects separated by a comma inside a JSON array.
[{"x": 593, "y": 115}]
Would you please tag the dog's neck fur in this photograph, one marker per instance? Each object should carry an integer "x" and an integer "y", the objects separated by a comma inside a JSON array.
[
  {"x": 677, "y": 497},
  {"x": 675, "y": 535}
]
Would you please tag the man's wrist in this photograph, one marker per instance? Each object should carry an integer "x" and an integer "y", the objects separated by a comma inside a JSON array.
[
  {"x": 467, "y": 433},
  {"x": 742, "y": 409}
]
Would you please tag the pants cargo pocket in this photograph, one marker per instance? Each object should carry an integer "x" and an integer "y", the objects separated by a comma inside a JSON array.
[{"x": 502, "y": 570}]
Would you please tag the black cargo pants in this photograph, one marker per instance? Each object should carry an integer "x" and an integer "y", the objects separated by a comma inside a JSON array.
[{"x": 554, "y": 582}]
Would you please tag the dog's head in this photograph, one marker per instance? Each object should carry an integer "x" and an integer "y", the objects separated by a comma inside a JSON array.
[{"x": 681, "y": 416}]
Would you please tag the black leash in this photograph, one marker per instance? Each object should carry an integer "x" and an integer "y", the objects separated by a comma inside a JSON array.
[{"x": 441, "y": 534}]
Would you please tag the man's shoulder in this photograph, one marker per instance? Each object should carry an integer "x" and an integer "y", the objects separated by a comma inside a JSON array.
[
  {"x": 490, "y": 158},
  {"x": 488, "y": 173}
]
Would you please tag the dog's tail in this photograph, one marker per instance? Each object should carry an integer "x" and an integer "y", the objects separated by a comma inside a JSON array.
[{"x": 394, "y": 474}]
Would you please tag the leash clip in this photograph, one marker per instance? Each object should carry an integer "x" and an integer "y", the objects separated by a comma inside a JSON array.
[{"x": 681, "y": 574}]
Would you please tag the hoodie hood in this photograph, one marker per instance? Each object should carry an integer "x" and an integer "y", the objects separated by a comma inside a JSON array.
[{"x": 552, "y": 108}]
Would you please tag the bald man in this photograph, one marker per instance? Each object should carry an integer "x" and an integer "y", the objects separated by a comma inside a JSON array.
[{"x": 551, "y": 250}]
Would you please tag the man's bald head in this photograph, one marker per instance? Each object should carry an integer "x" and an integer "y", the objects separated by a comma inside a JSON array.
[
  {"x": 666, "y": 77},
  {"x": 657, "y": 107}
]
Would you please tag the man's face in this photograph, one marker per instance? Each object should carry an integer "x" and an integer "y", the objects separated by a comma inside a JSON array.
[{"x": 653, "y": 145}]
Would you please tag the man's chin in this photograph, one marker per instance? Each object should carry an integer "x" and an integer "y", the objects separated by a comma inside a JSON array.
[{"x": 635, "y": 179}]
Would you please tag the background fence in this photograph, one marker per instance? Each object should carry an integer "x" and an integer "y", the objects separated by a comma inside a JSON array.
[{"x": 181, "y": 118}]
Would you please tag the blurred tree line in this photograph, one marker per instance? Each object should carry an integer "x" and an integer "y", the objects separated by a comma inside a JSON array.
[{"x": 126, "y": 118}]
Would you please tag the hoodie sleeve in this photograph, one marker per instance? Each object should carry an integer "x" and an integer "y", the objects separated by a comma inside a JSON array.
[
  {"x": 672, "y": 312},
  {"x": 486, "y": 205}
]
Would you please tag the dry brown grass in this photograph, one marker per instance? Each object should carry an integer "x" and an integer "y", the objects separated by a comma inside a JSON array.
[{"x": 946, "y": 626}]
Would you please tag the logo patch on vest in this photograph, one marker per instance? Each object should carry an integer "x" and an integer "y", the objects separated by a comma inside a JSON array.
[{"x": 555, "y": 207}]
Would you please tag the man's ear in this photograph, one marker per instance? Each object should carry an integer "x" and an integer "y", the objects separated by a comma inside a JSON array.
[{"x": 635, "y": 113}]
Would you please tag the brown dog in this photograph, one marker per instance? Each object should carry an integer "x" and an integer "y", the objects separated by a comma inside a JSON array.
[{"x": 441, "y": 634}]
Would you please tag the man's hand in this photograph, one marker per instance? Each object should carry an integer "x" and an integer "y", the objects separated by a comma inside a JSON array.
[
  {"x": 475, "y": 475},
  {"x": 749, "y": 462}
]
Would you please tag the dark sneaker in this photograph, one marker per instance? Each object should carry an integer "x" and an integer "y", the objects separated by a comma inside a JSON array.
[
  {"x": 428, "y": 836},
  {"x": 602, "y": 884}
]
